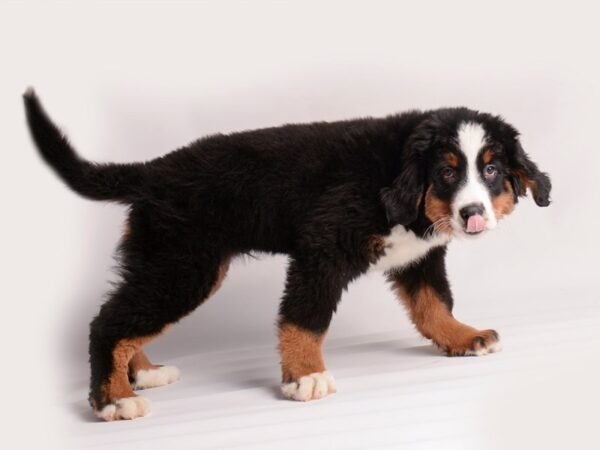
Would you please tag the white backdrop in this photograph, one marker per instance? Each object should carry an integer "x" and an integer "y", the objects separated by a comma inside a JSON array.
[{"x": 131, "y": 82}]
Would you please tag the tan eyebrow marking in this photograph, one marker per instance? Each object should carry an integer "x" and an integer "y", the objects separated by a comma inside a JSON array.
[
  {"x": 452, "y": 159},
  {"x": 487, "y": 156}
]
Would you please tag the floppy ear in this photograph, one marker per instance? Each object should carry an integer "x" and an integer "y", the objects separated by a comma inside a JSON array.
[
  {"x": 525, "y": 174},
  {"x": 401, "y": 200}
]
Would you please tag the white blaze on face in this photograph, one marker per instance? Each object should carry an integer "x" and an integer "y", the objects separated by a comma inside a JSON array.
[{"x": 471, "y": 140}]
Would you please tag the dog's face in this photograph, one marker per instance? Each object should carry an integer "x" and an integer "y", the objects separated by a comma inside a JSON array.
[
  {"x": 469, "y": 187},
  {"x": 463, "y": 171}
]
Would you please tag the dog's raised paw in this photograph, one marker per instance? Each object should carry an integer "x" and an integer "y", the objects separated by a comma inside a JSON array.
[
  {"x": 126, "y": 408},
  {"x": 310, "y": 387},
  {"x": 159, "y": 376}
]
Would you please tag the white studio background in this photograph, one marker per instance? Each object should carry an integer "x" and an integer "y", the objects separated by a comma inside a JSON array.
[{"x": 130, "y": 81}]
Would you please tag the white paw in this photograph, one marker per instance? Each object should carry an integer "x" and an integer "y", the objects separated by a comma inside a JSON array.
[
  {"x": 161, "y": 376},
  {"x": 310, "y": 387},
  {"x": 125, "y": 408},
  {"x": 494, "y": 347}
]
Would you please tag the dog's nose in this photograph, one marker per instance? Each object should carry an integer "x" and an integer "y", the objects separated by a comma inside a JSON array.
[{"x": 471, "y": 210}]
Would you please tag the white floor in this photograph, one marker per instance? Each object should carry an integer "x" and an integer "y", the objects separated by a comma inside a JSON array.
[{"x": 394, "y": 391}]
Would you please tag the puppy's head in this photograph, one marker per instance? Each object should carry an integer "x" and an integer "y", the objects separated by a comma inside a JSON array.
[{"x": 463, "y": 171}]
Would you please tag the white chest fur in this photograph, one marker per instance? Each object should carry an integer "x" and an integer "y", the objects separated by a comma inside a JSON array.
[{"x": 403, "y": 247}]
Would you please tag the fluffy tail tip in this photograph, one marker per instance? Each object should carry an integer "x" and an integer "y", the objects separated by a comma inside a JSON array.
[
  {"x": 31, "y": 100},
  {"x": 29, "y": 93}
]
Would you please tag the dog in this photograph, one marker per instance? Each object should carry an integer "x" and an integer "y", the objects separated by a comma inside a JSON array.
[{"x": 339, "y": 198}]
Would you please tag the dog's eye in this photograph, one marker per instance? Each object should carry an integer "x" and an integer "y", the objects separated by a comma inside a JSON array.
[
  {"x": 447, "y": 173},
  {"x": 490, "y": 171}
]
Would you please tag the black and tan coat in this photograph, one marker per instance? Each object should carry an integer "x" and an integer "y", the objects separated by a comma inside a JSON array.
[{"x": 338, "y": 198}]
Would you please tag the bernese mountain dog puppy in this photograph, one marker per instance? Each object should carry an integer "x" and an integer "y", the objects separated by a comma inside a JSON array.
[{"x": 338, "y": 198}]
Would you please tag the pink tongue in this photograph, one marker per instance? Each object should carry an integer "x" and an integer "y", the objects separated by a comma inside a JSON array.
[{"x": 475, "y": 224}]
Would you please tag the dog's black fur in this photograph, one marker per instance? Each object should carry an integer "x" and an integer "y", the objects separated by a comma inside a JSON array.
[{"x": 317, "y": 192}]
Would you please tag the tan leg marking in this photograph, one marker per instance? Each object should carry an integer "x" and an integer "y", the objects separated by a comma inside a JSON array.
[
  {"x": 117, "y": 395},
  {"x": 140, "y": 361},
  {"x": 118, "y": 383},
  {"x": 300, "y": 351},
  {"x": 145, "y": 375},
  {"x": 434, "y": 320},
  {"x": 303, "y": 370}
]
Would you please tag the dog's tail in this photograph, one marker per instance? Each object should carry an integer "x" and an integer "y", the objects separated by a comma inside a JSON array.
[{"x": 119, "y": 182}]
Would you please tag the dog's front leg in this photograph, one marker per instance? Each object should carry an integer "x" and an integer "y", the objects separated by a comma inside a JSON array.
[
  {"x": 312, "y": 292},
  {"x": 423, "y": 288}
]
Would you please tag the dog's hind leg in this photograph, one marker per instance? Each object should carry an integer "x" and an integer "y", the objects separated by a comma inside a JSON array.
[
  {"x": 145, "y": 375},
  {"x": 160, "y": 286}
]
